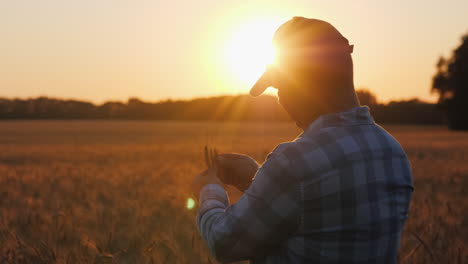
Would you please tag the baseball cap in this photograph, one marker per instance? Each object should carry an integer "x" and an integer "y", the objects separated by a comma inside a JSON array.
[{"x": 300, "y": 39}]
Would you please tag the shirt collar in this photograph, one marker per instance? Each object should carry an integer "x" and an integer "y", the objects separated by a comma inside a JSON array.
[{"x": 355, "y": 116}]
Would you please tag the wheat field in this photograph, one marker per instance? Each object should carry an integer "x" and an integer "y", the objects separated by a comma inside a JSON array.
[{"x": 115, "y": 191}]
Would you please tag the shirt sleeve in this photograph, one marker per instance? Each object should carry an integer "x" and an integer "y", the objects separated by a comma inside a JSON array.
[{"x": 266, "y": 215}]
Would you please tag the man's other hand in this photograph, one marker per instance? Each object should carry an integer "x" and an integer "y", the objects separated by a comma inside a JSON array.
[
  {"x": 206, "y": 177},
  {"x": 236, "y": 169}
]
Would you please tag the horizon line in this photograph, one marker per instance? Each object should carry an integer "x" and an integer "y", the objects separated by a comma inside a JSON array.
[{"x": 184, "y": 99}]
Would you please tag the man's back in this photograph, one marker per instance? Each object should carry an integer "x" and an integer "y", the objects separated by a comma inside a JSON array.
[
  {"x": 356, "y": 186},
  {"x": 339, "y": 193}
]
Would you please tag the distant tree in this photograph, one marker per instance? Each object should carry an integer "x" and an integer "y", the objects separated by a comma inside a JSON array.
[
  {"x": 451, "y": 83},
  {"x": 366, "y": 97},
  {"x": 111, "y": 110}
]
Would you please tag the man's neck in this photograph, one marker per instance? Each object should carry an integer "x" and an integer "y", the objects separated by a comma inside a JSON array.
[{"x": 330, "y": 109}]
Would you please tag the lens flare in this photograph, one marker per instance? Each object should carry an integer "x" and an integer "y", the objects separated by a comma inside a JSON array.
[{"x": 190, "y": 203}]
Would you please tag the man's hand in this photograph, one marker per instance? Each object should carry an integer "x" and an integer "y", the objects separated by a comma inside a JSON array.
[
  {"x": 236, "y": 169},
  {"x": 206, "y": 177}
]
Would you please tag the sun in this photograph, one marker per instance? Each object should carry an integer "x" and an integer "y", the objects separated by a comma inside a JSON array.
[{"x": 249, "y": 49}]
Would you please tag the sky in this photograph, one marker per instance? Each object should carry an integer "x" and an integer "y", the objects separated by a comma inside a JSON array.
[{"x": 101, "y": 50}]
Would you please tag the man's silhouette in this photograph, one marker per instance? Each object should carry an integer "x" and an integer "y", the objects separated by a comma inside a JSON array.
[{"x": 339, "y": 193}]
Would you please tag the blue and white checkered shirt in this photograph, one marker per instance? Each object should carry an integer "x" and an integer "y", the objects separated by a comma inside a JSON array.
[{"x": 339, "y": 193}]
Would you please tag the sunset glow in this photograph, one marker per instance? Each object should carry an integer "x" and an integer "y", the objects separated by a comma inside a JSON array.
[
  {"x": 249, "y": 49},
  {"x": 112, "y": 50}
]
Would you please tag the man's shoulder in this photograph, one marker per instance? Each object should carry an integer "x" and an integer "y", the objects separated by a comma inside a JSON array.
[
  {"x": 290, "y": 154},
  {"x": 336, "y": 143},
  {"x": 305, "y": 143}
]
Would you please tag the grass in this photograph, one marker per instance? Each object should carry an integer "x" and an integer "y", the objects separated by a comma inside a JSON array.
[{"x": 115, "y": 192}]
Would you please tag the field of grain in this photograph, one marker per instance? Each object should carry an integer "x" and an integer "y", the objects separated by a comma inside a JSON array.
[{"x": 115, "y": 191}]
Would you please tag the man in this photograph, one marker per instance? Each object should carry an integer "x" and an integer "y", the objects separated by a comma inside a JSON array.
[{"x": 339, "y": 193}]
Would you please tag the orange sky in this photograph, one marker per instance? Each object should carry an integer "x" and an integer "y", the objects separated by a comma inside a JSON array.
[{"x": 115, "y": 49}]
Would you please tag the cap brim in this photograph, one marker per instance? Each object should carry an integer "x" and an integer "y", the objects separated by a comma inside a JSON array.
[{"x": 261, "y": 85}]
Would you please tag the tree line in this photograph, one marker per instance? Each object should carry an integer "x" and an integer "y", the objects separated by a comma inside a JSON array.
[
  {"x": 451, "y": 83},
  {"x": 220, "y": 108}
]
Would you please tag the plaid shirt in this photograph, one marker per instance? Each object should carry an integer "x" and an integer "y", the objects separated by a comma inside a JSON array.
[{"x": 339, "y": 193}]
